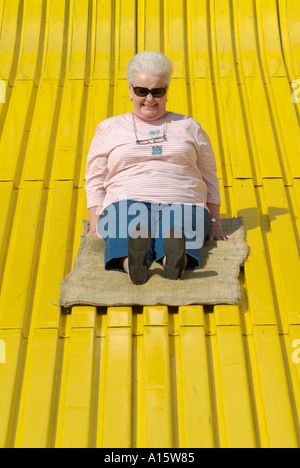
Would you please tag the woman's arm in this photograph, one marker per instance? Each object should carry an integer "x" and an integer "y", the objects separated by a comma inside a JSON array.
[
  {"x": 206, "y": 163},
  {"x": 216, "y": 230},
  {"x": 94, "y": 218},
  {"x": 96, "y": 172}
]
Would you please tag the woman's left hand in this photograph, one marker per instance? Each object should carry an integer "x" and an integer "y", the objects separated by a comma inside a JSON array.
[{"x": 216, "y": 232}]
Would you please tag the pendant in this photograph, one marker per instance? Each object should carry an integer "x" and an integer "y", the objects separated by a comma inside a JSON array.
[{"x": 157, "y": 150}]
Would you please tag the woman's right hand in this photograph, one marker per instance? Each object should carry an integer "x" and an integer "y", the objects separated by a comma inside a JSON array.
[
  {"x": 94, "y": 218},
  {"x": 93, "y": 233}
]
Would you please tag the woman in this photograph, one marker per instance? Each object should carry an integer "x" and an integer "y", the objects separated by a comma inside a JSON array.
[{"x": 159, "y": 161}]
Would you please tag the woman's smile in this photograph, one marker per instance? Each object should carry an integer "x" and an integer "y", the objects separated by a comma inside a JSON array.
[{"x": 150, "y": 106}]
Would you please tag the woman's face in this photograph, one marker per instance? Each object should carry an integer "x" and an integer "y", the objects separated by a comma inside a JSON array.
[{"x": 148, "y": 108}]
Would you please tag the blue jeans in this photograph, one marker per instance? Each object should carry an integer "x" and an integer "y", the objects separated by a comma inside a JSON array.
[{"x": 120, "y": 219}]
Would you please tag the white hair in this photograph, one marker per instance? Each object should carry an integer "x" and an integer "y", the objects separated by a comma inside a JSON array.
[{"x": 150, "y": 62}]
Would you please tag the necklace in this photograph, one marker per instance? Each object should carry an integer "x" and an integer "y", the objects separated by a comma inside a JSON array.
[{"x": 149, "y": 140}]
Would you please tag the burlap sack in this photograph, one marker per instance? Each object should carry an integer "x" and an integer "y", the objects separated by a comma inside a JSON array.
[{"x": 215, "y": 283}]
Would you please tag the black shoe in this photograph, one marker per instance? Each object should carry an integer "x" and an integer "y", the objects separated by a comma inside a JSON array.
[
  {"x": 175, "y": 254},
  {"x": 137, "y": 256}
]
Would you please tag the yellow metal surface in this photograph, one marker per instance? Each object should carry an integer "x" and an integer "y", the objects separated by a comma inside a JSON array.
[{"x": 223, "y": 376}]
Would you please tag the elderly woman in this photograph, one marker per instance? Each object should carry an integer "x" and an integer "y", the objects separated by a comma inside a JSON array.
[{"x": 154, "y": 163}]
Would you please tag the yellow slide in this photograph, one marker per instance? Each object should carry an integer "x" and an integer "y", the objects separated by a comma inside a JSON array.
[{"x": 197, "y": 376}]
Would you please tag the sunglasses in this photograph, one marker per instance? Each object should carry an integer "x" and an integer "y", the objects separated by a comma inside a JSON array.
[{"x": 143, "y": 92}]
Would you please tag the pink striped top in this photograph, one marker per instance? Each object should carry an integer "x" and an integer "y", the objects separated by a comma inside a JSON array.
[{"x": 179, "y": 170}]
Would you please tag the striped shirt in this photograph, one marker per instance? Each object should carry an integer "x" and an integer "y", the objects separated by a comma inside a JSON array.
[{"x": 179, "y": 170}]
